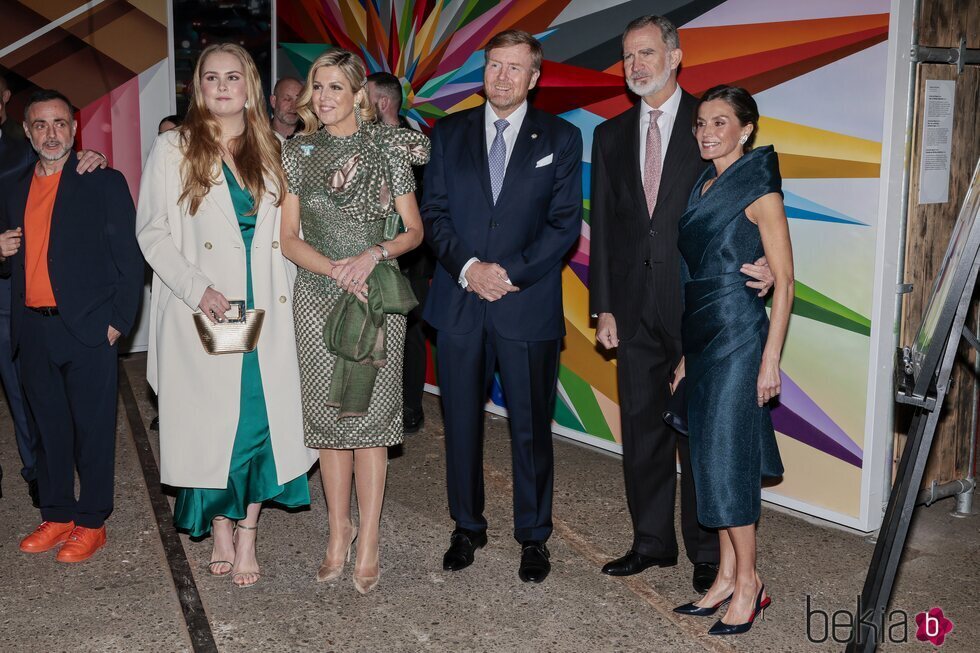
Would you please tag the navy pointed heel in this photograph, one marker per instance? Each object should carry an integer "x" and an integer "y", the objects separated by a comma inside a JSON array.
[
  {"x": 693, "y": 610},
  {"x": 721, "y": 628}
]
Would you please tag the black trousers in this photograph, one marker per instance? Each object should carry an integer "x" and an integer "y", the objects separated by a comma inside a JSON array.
[
  {"x": 529, "y": 376},
  {"x": 72, "y": 390},
  {"x": 413, "y": 371},
  {"x": 646, "y": 363}
]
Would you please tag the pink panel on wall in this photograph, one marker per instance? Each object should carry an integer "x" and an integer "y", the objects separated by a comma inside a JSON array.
[
  {"x": 111, "y": 125},
  {"x": 126, "y": 149}
]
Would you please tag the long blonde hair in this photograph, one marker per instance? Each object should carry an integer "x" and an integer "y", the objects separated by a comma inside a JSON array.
[
  {"x": 355, "y": 72},
  {"x": 256, "y": 151}
]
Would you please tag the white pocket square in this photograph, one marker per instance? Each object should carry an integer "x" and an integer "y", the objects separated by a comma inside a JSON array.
[{"x": 545, "y": 161}]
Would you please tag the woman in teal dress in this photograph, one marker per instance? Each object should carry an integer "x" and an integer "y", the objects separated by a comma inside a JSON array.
[
  {"x": 208, "y": 222},
  {"x": 731, "y": 348}
]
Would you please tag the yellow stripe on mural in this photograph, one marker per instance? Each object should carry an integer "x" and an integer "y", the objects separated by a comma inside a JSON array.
[
  {"x": 354, "y": 13},
  {"x": 794, "y": 166},
  {"x": 793, "y": 138},
  {"x": 468, "y": 103},
  {"x": 575, "y": 296},
  {"x": 425, "y": 35},
  {"x": 581, "y": 357}
]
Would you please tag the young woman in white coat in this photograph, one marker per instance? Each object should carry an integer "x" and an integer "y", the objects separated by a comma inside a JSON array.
[{"x": 231, "y": 430}]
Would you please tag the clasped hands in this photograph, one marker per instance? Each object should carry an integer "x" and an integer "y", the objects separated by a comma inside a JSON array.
[
  {"x": 489, "y": 281},
  {"x": 351, "y": 273}
]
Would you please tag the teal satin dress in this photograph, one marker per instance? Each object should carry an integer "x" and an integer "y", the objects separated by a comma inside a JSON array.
[
  {"x": 724, "y": 331},
  {"x": 252, "y": 476}
]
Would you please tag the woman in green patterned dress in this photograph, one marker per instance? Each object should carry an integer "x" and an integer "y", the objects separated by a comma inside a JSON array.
[{"x": 346, "y": 177}]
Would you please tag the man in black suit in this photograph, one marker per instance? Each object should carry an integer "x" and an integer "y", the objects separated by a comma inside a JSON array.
[
  {"x": 502, "y": 207},
  {"x": 385, "y": 93},
  {"x": 645, "y": 162},
  {"x": 76, "y": 280}
]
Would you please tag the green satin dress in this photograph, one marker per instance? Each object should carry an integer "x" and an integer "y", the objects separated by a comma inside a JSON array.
[{"x": 252, "y": 476}]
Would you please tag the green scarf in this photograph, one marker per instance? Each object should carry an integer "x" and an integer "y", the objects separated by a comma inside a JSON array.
[{"x": 355, "y": 332}]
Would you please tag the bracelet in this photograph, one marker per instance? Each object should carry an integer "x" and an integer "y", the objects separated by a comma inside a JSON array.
[
  {"x": 374, "y": 256},
  {"x": 384, "y": 252}
]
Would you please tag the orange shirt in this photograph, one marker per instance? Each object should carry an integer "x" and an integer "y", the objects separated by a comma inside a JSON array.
[{"x": 37, "y": 235}]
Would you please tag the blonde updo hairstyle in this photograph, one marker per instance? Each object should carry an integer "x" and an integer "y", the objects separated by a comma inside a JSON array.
[
  {"x": 256, "y": 151},
  {"x": 354, "y": 71}
]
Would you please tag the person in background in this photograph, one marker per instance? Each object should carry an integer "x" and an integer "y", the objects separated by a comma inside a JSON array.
[
  {"x": 208, "y": 224},
  {"x": 285, "y": 120},
  {"x": 347, "y": 176},
  {"x": 732, "y": 348},
  {"x": 16, "y": 156},
  {"x": 76, "y": 280},
  {"x": 502, "y": 208},
  {"x": 385, "y": 93},
  {"x": 168, "y": 123}
]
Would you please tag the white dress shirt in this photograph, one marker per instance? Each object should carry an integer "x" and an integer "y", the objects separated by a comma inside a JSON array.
[
  {"x": 665, "y": 123},
  {"x": 516, "y": 119}
]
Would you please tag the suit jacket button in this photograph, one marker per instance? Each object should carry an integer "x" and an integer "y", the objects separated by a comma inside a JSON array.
[
  {"x": 646, "y": 262},
  {"x": 282, "y": 299},
  {"x": 653, "y": 232},
  {"x": 208, "y": 245},
  {"x": 275, "y": 244}
]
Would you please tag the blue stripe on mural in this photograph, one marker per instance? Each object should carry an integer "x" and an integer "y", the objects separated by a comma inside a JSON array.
[{"x": 801, "y": 208}]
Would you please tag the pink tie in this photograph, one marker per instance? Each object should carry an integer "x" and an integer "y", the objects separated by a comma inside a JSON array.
[{"x": 652, "y": 165}]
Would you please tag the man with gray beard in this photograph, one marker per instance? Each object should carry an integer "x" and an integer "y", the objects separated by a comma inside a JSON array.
[{"x": 645, "y": 162}]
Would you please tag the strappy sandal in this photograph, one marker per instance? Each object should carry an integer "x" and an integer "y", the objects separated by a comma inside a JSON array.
[
  {"x": 211, "y": 565},
  {"x": 240, "y": 574}
]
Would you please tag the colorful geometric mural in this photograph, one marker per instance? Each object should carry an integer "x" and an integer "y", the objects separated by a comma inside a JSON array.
[{"x": 816, "y": 70}]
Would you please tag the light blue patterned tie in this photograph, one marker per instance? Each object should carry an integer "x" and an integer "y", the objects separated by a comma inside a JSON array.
[{"x": 498, "y": 159}]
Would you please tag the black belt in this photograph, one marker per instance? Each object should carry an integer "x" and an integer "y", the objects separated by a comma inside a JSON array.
[{"x": 46, "y": 311}]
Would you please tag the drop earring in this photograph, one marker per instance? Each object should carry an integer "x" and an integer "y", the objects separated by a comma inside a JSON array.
[
  {"x": 357, "y": 114},
  {"x": 246, "y": 104},
  {"x": 744, "y": 138}
]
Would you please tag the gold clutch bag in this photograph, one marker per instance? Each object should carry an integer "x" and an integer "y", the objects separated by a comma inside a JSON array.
[{"x": 236, "y": 335}]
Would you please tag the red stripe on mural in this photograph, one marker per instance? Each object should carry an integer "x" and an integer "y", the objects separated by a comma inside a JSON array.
[{"x": 699, "y": 78}]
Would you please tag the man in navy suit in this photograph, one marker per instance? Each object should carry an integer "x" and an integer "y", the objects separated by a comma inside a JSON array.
[
  {"x": 76, "y": 280},
  {"x": 502, "y": 207},
  {"x": 16, "y": 156}
]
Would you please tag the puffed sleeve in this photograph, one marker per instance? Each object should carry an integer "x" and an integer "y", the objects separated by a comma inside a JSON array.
[
  {"x": 405, "y": 148},
  {"x": 291, "y": 156}
]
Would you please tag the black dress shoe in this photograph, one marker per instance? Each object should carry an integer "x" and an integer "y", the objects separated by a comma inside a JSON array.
[
  {"x": 412, "y": 419},
  {"x": 634, "y": 563},
  {"x": 534, "y": 562},
  {"x": 462, "y": 544},
  {"x": 704, "y": 576},
  {"x": 33, "y": 492}
]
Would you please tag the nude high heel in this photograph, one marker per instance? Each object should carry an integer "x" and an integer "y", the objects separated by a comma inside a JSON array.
[
  {"x": 364, "y": 584},
  {"x": 328, "y": 572}
]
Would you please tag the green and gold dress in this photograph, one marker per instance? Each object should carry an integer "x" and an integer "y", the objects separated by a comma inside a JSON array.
[{"x": 347, "y": 187}]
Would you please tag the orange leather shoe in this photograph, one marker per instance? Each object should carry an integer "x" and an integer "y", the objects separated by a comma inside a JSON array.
[
  {"x": 46, "y": 536},
  {"x": 81, "y": 544}
]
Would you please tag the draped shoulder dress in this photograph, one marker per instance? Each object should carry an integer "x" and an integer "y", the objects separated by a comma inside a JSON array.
[
  {"x": 252, "y": 475},
  {"x": 724, "y": 330}
]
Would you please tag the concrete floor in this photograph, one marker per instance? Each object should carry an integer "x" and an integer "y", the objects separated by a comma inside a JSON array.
[{"x": 123, "y": 599}]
